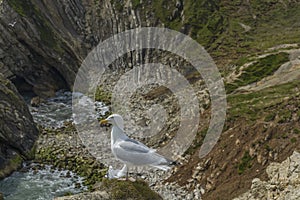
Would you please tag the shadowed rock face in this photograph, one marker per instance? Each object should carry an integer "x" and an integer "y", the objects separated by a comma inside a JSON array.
[
  {"x": 38, "y": 45},
  {"x": 42, "y": 44},
  {"x": 17, "y": 129}
]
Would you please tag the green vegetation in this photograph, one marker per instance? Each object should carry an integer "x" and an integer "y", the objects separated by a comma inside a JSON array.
[
  {"x": 129, "y": 190},
  {"x": 26, "y": 9},
  {"x": 13, "y": 165},
  {"x": 135, "y": 3},
  {"x": 245, "y": 163},
  {"x": 92, "y": 171},
  {"x": 243, "y": 60},
  {"x": 102, "y": 95},
  {"x": 262, "y": 68},
  {"x": 268, "y": 148},
  {"x": 296, "y": 131},
  {"x": 17, "y": 160},
  {"x": 252, "y": 106},
  {"x": 22, "y": 7},
  {"x": 284, "y": 116},
  {"x": 31, "y": 153},
  {"x": 298, "y": 113},
  {"x": 284, "y": 136},
  {"x": 293, "y": 140},
  {"x": 61, "y": 157},
  {"x": 270, "y": 117},
  {"x": 219, "y": 26},
  {"x": 117, "y": 4},
  {"x": 204, "y": 21}
]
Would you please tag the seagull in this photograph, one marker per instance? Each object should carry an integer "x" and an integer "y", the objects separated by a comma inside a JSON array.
[
  {"x": 132, "y": 152},
  {"x": 12, "y": 24}
]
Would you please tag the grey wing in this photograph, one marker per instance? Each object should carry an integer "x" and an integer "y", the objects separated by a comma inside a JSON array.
[
  {"x": 132, "y": 146},
  {"x": 136, "y": 154},
  {"x": 139, "y": 143}
]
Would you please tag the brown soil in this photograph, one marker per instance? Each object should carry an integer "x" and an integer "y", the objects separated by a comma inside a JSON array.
[{"x": 270, "y": 141}]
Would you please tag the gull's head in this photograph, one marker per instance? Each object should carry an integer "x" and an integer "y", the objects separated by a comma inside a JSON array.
[{"x": 115, "y": 120}]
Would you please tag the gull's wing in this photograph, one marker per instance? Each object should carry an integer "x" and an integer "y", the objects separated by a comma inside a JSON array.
[
  {"x": 138, "y": 143},
  {"x": 133, "y": 146},
  {"x": 136, "y": 153}
]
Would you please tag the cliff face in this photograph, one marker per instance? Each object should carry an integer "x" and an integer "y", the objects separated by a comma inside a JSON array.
[
  {"x": 43, "y": 43},
  {"x": 38, "y": 52},
  {"x": 17, "y": 130}
]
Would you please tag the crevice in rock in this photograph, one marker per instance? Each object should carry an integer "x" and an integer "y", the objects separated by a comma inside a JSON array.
[{"x": 22, "y": 86}]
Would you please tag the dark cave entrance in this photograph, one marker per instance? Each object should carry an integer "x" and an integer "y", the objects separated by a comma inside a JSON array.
[{"x": 24, "y": 88}]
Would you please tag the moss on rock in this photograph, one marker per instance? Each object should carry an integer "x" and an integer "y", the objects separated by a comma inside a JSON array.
[
  {"x": 102, "y": 95},
  {"x": 63, "y": 149},
  {"x": 13, "y": 164},
  {"x": 119, "y": 189}
]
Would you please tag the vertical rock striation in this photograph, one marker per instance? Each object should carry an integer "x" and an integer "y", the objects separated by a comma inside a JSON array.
[
  {"x": 42, "y": 43},
  {"x": 17, "y": 129}
]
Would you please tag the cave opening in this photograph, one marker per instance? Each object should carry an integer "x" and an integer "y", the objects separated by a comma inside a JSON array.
[{"x": 23, "y": 87}]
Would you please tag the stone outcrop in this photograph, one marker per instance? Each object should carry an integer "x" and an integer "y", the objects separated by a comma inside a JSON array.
[
  {"x": 283, "y": 181},
  {"x": 39, "y": 45},
  {"x": 43, "y": 43},
  {"x": 17, "y": 129}
]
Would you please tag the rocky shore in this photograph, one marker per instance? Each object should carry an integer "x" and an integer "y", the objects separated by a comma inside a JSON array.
[{"x": 63, "y": 149}]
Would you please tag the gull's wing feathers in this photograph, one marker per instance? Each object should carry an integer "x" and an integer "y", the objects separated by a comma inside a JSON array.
[
  {"x": 133, "y": 146},
  {"x": 136, "y": 154},
  {"x": 140, "y": 144}
]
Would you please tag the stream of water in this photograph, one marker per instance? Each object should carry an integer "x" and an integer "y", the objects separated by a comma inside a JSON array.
[
  {"x": 46, "y": 183},
  {"x": 42, "y": 184}
]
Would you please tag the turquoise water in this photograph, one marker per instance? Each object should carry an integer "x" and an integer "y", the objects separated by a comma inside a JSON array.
[{"x": 43, "y": 184}]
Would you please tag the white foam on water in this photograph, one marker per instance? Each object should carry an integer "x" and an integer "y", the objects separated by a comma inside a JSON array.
[{"x": 42, "y": 184}]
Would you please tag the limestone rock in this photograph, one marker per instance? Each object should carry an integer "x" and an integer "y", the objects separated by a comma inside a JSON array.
[
  {"x": 283, "y": 181},
  {"x": 17, "y": 129}
]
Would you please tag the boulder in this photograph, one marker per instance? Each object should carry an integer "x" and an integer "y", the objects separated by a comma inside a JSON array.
[
  {"x": 18, "y": 132},
  {"x": 36, "y": 101}
]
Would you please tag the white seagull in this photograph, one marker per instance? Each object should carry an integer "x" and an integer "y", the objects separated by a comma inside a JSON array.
[
  {"x": 132, "y": 152},
  {"x": 12, "y": 24}
]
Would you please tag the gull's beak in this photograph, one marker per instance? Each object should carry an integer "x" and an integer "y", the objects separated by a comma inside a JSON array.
[{"x": 104, "y": 121}]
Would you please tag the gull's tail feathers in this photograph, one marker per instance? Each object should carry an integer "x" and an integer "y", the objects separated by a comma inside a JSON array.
[
  {"x": 165, "y": 163},
  {"x": 162, "y": 167}
]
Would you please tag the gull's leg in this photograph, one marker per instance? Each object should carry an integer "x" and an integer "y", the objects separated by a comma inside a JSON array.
[
  {"x": 121, "y": 173},
  {"x": 136, "y": 173},
  {"x": 126, "y": 173}
]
